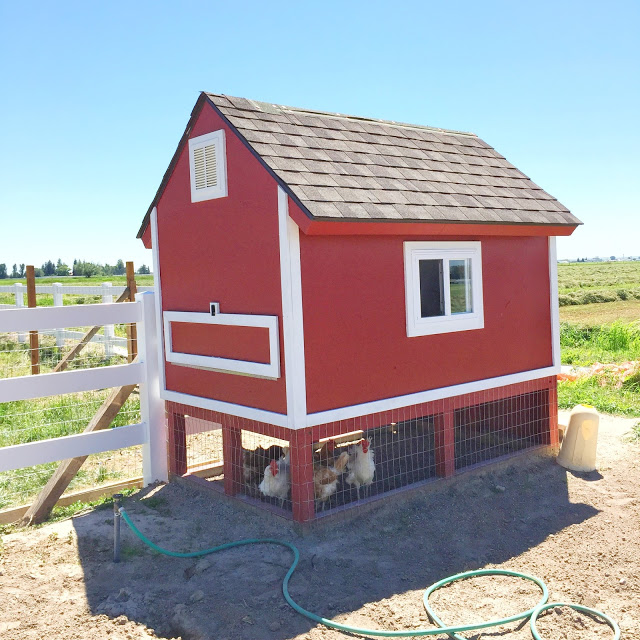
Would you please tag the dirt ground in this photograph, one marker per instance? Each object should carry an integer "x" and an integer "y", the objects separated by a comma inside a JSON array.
[{"x": 580, "y": 533}]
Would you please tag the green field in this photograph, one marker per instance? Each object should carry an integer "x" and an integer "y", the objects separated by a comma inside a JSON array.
[
  {"x": 597, "y": 282},
  {"x": 600, "y": 323}
]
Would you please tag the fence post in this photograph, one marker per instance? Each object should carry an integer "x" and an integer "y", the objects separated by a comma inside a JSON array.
[
  {"x": 34, "y": 345},
  {"x": 57, "y": 302},
  {"x": 20, "y": 289},
  {"x": 154, "y": 452},
  {"x": 132, "y": 338},
  {"x": 109, "y": 332}
]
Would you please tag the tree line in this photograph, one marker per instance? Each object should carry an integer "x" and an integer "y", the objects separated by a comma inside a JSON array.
[{"x": 79, "y": 268}]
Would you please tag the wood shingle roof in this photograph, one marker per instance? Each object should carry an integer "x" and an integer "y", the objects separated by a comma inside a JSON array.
[{"x": 349, "y": 168}]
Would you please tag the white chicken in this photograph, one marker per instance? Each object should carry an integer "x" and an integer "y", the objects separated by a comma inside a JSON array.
[
  {"x": 276, "y": 481},
  {"x": 361, "y": 466}
]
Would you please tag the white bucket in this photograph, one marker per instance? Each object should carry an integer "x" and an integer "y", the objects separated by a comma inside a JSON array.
[{"x": 578, "y": 451}]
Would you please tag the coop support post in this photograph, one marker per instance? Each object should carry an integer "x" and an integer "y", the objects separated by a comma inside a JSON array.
[
  {"x": 109, "y": 332},
  {"x": 177, "y": 443},
  {"x": 553, "y": 412},
  {"x": 302, "y": 494},
  {"x": 57, "y": 302},
  {"x": 444, "y": 441},
  {"x": 34, "y": 345},
  {"x": 154, "y": 452},
  {"x": 232, "y": 456},
  {"x": 19, "y": 292}
]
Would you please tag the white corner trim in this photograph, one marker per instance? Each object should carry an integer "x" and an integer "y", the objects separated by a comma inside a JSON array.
[
  {"x": 250, "y": 413},
  {"x": 388, "y": 404},
  {"x": 414, "y": 251},
  {"x": 292, "y": 315},
  {"x": 555, "y": 303},
  {"x": 155, "y": 252},
  {"x": 225, "y": 365},
  {"x": 219, "y": 190}
]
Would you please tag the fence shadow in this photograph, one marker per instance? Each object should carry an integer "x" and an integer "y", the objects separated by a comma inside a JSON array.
[{"x": 488, "y": 517}]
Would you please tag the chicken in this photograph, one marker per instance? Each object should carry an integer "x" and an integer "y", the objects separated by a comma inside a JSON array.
[
  {"x": 361, "y": 466},
  {"x": 325, "y": 478},
  {"x": 325, "y": 453},
  {"x": 276, "y": 481},
  {"x": 254, "y": 462}
]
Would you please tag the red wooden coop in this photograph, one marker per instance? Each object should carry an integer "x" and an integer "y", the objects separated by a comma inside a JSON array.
[{"x": 326, "y": 279}]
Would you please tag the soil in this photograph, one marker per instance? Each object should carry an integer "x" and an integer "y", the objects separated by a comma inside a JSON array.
[{"x": 369, "y": 567}]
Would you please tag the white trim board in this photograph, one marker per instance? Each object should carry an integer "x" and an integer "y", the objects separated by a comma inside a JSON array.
[
  {"x": 250, "y": 413},
  {"x": 555, "y": 303},
  {"x": 56, "y": 384},
  {"x": 88, "y": 315},
  {"x": 399, "y": 402},
  {"x": 271, "y": 370},
  {"x": 292, "y": 314},
  {"x": 81, "y": 444},
  {"x": 155, "y": 252}
]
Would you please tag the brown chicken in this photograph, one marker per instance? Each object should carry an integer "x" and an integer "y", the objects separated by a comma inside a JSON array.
[{"x": 325, "y": 478}]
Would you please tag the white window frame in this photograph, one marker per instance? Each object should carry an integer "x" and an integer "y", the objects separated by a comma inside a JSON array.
[
  {"x": 446, "y": 251},
  {"x": 220, "y": 190}
]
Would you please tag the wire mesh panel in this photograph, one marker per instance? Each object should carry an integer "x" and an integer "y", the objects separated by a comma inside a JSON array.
[
  {"x": 51, "y": 417},
  {"x": 266, "y": 469},
  {"x": 500, "y": 427}
]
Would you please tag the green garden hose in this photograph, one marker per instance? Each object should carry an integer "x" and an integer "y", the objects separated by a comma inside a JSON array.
[{"x": 451, "y": 631}]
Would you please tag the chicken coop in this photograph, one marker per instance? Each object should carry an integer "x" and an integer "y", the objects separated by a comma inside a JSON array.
[{"x": 349, "y": 307}]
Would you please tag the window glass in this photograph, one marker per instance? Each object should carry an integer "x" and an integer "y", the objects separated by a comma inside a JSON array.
[
  {"x": 431, "y": 288},
  {"x": 460, "y": 286}
]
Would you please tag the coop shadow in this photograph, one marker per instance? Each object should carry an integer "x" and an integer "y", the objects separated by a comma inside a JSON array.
[{"x": 484, "y": 516}]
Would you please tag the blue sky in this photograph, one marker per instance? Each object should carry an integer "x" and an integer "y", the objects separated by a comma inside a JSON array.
[{"x": 95, "y": 97}]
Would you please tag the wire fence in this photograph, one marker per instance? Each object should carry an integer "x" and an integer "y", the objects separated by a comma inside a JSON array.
[{"x": 43, "y": 418}]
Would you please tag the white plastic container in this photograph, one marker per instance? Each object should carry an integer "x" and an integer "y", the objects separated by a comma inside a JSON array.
[{"x": 578, "y": 450}]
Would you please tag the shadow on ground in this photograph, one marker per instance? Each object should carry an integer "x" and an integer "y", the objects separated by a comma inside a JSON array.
[{"x": 487, "y": 516}]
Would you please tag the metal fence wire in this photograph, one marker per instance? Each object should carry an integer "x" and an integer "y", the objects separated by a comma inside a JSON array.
[{"x": 355, "y": 460}]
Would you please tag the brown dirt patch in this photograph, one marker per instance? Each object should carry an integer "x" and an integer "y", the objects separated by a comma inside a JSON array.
[{"x": 577, "y": 532}]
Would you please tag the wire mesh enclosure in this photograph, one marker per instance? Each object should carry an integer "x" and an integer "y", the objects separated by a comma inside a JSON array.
[{"x": 306, "y": 473}]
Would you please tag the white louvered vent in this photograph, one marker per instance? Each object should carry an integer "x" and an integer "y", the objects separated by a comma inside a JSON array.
[{"x": 208, "y": 166}]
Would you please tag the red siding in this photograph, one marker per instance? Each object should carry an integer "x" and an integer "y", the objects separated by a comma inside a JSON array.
[
  {"x": 356, "y": 346},
  {"x": 223, "y": 250},
  {"x": 250, "y": 344}
]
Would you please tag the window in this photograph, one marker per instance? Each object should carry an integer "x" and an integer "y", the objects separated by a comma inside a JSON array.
[
  {"x": 208, "y": 167},
  {"x": 443, "y": 287}
]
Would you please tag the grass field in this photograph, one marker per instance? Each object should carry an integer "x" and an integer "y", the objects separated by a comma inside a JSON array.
[
  {"x": 598, "y": 282},
  {"x": 601, "y": 331}
]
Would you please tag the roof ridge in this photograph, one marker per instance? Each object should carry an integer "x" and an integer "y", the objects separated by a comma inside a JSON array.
[{"x": 268, "y": 107}]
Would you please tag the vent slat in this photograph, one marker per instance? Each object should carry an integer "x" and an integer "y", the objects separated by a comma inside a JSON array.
[
  {"x": 199, "y": 165},
  {"x": 211, "y": 169}
]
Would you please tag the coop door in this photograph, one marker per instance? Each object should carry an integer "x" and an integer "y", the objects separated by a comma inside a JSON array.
[{"x": 225, "y": 342}]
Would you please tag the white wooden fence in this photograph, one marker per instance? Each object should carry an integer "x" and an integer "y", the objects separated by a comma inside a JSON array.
[
  {"x": 106, "y": 290},
  {"x": 144, "y": 371}
]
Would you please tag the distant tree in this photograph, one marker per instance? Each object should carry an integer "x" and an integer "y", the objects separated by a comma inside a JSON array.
[
  {"x": 143, "y": 270},
  {"x": 14, "y": 271},
  {"x": 38, "y": 272},
  {"x": 48, "y": 268},
  {"x": 3, "y": 271},
  {"x": 613, "y": 257},
  {"x": 120, "y": 268},
  {"x": 90, "y": 269},
  {"x": 22, "y": 270},
  {"x": 61, "y": 268}
]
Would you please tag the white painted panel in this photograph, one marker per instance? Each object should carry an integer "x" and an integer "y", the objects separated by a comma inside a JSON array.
[
  {"x": 555, "y": 303},
  {"x": 62, "y": 448},
  {"x": 79, "y": 315},
  {"x": 225, "y": 365},
  {"x": 53, "y": 384}
]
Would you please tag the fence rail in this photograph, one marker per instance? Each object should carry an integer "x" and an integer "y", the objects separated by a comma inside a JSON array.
[{"x": 144, "y": 371}]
